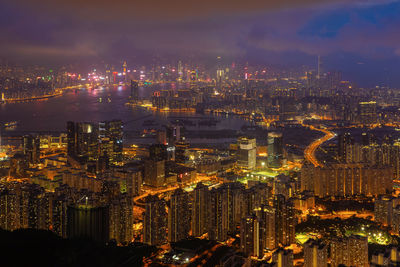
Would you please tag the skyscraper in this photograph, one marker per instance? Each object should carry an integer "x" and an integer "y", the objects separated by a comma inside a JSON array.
[
  {"x": 283, "y": 258},
  {"x": 31, "y": 145},
  {"x": 275, "y": 150},
  {"x": 178, "y": 216},
  {"x": 367, "y": 112},
  {"x": 315, "y": 254},
  {"x": 250, "y": 236},
  {"x": 350, "y": 251},
  {"x": 154, "y": 221},
  {"x": 285, "y": 221},
  {"x": 181, "y": 149},
  {"x": 154, "y": 172},
  {"x": 91, "y": 141},
  {"x": 247, "y": 154},
  {"x": 266, "y": 215},
  {"x": 200, "y": 210},
  {"x": 134, "y": 91},
  {"x": 225, "y": 210},
  {"x": 383, "y": 210},
  {"x": 121, "y": 219},
  {"x": 319, "y": 68}
]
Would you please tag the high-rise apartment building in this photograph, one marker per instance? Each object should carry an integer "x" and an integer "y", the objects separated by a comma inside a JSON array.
[
  {"x": 178, "y": 216},
  {"x": 250, "y": 236},
  {"x": 367, "y": 112},
  {"x": 315, "y": 254},
  {"x": 154, "y": 221},
  {"x": 200, "y": 210},
  {"x": 285, "y": 221},
  {"x": 349, "y": 251},
  {"x": 121, "y": 219},
  {"x": 266, "y": 214},
  {"x": 282, "y": 258},
  {"x": 347, "y": 179},
  {"x": 383, "y": 210}
]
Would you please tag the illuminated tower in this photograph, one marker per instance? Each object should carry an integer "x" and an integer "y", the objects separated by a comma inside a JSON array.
[
  {"x": 319, "y": 71},
  {"x": 124, "y": 70},
  {"x": 180, "y": 71}
]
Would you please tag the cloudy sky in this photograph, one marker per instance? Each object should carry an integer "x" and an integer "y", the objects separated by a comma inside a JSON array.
[{"x": 359, "y": 37}]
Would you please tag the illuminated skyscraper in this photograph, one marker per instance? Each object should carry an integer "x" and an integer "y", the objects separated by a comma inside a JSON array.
[
  {"x": 32, "y": 149},
  {"x": 349, "y": 251},
  {"x": 247, "y": 154},
  {"x": 367, "y": 112},
  {"x": 111, "y": 136},
  {"x": 315, "y": 254},
  {"x": 121, "y": 220},
  {"x": 180, "y": 71},
  {"x": 266, "y": 214},
  {"x": 9, "y": 210},
  {"x": 178, "y": 216},
  {"x": 125, "y": 71},
  {"x": 91, "y": 141},
  {"x": 282, "y": 258},
  {"x": 154, "y": 221},
  {"x": 251, "y": 236},
  {"x": 275, "y": 150},
  {"x": 200, "y": 210},
  {"x": 225, "y": 210},
  {"x": 181, "y": 149},
  {"x": 383, "y": 210},
  {"x": 59, "y": 214},
  {"x": 154, "y": 173},
  {"x": 285, "y": 221}
]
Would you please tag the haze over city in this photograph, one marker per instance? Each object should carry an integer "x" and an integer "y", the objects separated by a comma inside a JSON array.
[{"x": 358, "y": 37}]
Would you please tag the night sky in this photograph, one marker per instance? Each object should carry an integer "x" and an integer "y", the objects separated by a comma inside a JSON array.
[{"x": 359, "y": 37}]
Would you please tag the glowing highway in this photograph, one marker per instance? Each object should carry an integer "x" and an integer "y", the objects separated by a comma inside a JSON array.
[{"x": 309, "y": 152}]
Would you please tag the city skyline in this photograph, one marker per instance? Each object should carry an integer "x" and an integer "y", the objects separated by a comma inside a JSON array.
[
  {"x": 208, "y": 133},
  {"x": 356, "y": 37}
]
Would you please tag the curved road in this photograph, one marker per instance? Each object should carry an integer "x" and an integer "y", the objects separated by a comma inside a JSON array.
[{"x": 309, "y": 152}]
